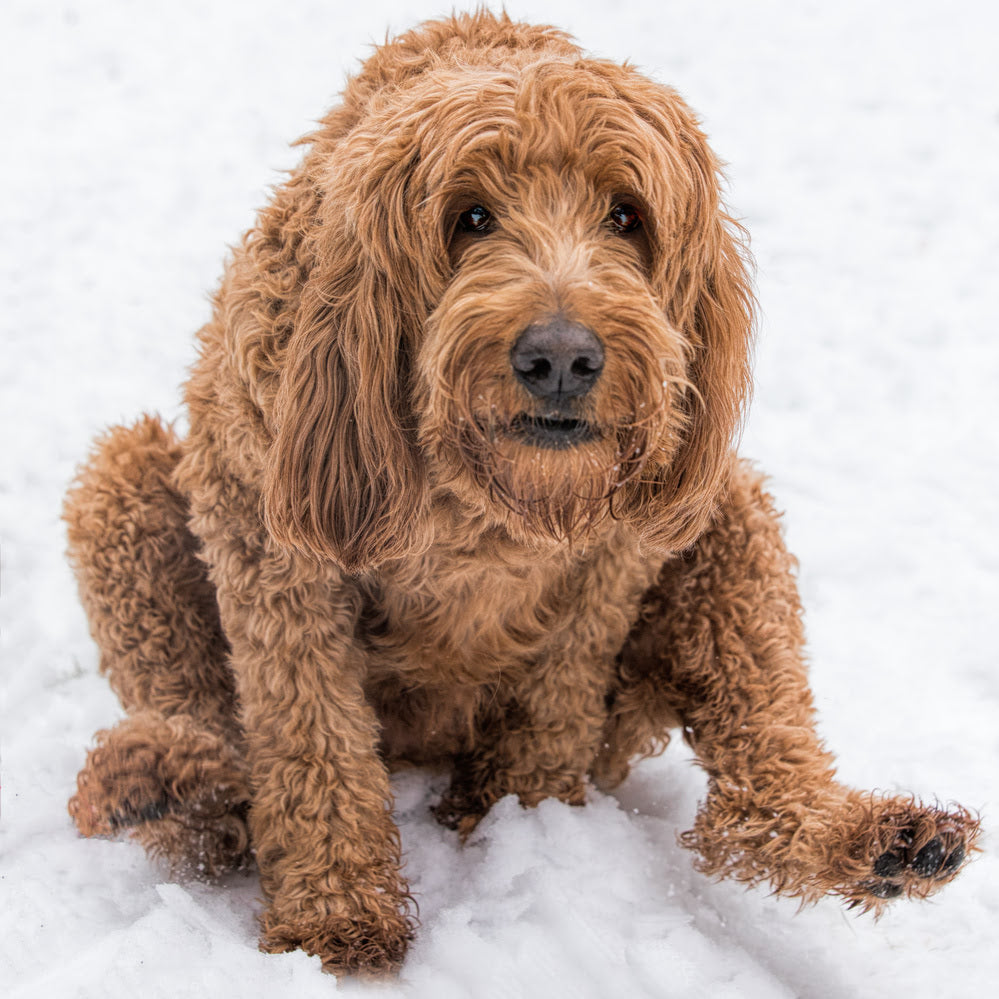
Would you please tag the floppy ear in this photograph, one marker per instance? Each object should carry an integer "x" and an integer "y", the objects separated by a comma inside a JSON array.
[
  {"x": 703, "y": 278},
  {"x": 344, "y": 479}
]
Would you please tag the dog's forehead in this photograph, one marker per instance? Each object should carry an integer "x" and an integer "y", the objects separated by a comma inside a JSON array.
[{"x": 601, "y": 120}]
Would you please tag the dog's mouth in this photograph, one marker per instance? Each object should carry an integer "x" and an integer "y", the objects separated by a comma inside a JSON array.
[{"x": 553, "y": 432}]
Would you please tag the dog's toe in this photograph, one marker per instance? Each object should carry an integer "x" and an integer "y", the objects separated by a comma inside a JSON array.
[
  {"x": 106, "y": 803},
  {"x": 930, "y": 858},
  {"x": 889, "y": 865},
  {"x": 128, "y": 814}
]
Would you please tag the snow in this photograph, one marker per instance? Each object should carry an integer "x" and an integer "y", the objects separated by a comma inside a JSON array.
[{"x": 863, "y": 143}]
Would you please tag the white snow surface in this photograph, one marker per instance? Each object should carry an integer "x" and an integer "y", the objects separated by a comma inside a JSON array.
[{"x": 863, "y": 149}]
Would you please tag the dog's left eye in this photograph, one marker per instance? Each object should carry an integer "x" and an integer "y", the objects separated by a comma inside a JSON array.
[
  {"x": 477, "y": 220},
  {"x": 624, "y": 218}
]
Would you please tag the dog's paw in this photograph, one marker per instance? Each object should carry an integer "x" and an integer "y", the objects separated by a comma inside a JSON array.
[
  {"x": 936, "y": 861},
  {"x": 185, "y": 800},
  {"x": 369, "y": 945},
  {"x": 457, "y": 815},
  {"x": 467, "y": 801},
  {"x": 915, "y": 852}
]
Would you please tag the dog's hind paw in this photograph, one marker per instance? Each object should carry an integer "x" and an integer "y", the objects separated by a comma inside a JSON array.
[
  {"x": 109, "y": 800},
  {"x": 180, "y": 791}
]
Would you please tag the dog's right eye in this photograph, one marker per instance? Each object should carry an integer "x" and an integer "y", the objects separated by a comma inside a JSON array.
[
  {"x": 476, "y": 220},
  {"x": 625, "y": 218}
]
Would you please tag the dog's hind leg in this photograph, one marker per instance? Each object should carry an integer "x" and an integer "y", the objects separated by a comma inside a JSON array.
[
  {"x": 147, "y": 595},
  {"x": 718, "y": 649},
  {"x": 175, "y": 786},
  {"x": 171, "y": 770}
]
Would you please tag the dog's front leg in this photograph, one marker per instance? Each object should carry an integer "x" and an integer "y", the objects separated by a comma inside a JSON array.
[
  {"x": 719, "y": 645},
  {"x": 320, "y": 819}
]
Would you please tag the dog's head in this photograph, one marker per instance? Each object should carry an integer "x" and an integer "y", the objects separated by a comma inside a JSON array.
[{"x": 519, "y": 286}]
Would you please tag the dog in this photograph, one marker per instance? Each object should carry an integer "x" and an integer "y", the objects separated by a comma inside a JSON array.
[{"x": 460, "y": 488}]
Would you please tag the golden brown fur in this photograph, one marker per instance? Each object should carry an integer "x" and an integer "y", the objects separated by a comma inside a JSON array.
[{"x": 377, "y": 545}]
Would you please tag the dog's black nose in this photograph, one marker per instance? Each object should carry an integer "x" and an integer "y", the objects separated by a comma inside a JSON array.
[{"x": 557, "y": 360}]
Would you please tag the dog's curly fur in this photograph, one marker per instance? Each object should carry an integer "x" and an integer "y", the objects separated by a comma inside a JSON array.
[{"x": 379, "y": 544}]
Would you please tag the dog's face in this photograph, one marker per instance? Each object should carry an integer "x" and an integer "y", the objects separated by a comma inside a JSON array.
[
  {"x": 524, "y": 291},
  {"x": 549, "y": 374}
]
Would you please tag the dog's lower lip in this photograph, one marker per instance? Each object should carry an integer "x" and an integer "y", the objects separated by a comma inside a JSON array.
[{"x": 553, "y": 432}]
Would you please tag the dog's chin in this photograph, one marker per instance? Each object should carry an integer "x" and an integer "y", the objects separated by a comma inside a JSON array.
[
  {"x": 552, "y": 433},
  {"x": 544, "y": 478}
]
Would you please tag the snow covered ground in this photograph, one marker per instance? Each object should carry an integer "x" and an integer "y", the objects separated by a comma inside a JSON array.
[{"x": 863, "y": 142}]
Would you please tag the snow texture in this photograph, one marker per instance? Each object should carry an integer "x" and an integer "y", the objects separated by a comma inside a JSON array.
[{"x": 863, "y": 143}]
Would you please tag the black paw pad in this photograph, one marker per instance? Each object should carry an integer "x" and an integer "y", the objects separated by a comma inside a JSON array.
[
  {"x": 953, "y": 861},
  {"x": 885, "y": 889},
  {"x": 930, "y": 858},
  {"x": 904, "y": 867},
  {"x": 889, "y": 865}
]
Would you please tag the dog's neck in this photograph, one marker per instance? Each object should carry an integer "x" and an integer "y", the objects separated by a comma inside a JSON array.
[{"x": 488, "y": 531}]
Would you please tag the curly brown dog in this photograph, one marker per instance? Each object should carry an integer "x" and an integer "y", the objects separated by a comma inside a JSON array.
[{"x": 460, "y": 487}]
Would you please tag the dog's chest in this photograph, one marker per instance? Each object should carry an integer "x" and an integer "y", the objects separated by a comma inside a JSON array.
[
  {"x": 456, "y": 618},
  {"x": 458, "y": 627}
]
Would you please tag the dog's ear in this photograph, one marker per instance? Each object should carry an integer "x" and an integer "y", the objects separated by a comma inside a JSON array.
[
  {"x": 344, "y": 479},
  {"x": 703, "y": 275}
]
